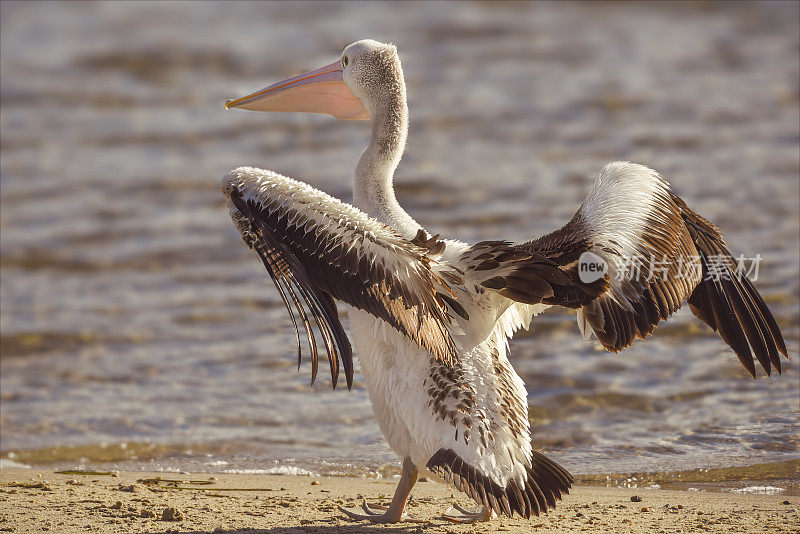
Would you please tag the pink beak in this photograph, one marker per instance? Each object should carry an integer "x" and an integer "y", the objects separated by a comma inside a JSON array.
[{"x": 319, "y": 91}]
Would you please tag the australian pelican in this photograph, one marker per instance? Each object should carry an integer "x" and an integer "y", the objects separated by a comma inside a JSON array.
[{"x": 431, "y": 318}]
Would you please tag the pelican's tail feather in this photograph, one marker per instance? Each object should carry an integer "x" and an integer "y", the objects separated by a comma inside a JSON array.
[{"x": 546, "y": 481}]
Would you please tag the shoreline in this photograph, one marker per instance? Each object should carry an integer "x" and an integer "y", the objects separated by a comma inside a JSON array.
[{"x": 42, "y": 500}]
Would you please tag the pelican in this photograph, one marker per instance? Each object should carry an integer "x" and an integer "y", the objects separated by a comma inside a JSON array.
[{"x": 431, "y": 318}]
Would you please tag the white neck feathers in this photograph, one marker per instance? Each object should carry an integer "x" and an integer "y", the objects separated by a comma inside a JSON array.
[{"x": 373, "y": 191}]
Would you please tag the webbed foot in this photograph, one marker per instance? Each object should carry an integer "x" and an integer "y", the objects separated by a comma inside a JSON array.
[
  {"x": 378, "y": 514},
  {"x": 465, "y": 516}
]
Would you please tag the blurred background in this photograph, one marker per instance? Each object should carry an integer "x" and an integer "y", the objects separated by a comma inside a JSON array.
[{"x": 138, "y": 331}]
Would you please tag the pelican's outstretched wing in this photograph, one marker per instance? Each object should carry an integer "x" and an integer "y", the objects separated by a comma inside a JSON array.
[
  {"x": 317, "y": 249},
  {"x": 658, "y": 253}
]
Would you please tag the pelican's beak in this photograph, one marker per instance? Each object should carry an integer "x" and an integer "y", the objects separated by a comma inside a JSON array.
[{"x": 319, "y": 91}]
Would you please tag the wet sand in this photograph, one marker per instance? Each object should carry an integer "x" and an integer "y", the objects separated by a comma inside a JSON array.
[{"x": 46, "y": 501}]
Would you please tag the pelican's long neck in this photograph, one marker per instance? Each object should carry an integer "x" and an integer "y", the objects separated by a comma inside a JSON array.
[{"x": 373, "y": 191}]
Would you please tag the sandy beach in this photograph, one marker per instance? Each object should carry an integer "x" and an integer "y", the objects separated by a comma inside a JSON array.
[{"x": 47, "y": 501}]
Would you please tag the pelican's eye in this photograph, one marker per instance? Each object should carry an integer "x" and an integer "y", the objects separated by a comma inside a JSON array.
[{"x": 345, "y": 61}]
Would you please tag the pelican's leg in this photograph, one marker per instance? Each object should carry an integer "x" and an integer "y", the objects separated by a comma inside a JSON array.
[
  {"x": 393, "y": 514},
  {"x": 465, "y": 516}
]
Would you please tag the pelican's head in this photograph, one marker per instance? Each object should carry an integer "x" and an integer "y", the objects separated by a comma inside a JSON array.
[{"x": 366, "y": 75}]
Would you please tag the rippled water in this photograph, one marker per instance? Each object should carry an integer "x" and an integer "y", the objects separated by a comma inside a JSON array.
[{"x": 138, "y": 330}]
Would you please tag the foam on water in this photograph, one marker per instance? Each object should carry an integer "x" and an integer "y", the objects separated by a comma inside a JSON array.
[
  {"x": 5, "y": 463},
  {"x": 277, "y": 470},
  {"x": 762, "y": 490}
]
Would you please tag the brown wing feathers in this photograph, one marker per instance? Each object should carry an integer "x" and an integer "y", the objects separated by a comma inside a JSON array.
[
  {"x": 289, "y": 275},
  {"x": 310, "y": 267},
  {"x": 525, "y": 274},
  {"x": 728, "y": 302},
  {"x": 685, "y": 247},
  {"x": 655, "y": 293}
]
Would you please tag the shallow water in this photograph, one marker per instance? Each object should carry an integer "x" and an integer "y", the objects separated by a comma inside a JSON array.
[{"x": 138, "y": 331}]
